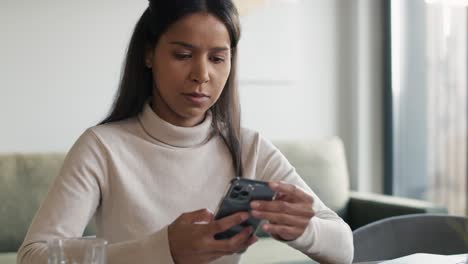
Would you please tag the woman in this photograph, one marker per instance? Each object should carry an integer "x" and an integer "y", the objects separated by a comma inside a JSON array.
[{"x": 160, "y": 162}]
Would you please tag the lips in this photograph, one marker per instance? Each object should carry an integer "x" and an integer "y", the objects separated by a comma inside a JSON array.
[
  {"x": 196, "y": 98},
  {"x": 194, "y": 94}
]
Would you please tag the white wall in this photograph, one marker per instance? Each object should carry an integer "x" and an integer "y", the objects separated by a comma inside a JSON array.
[
  {"x": 60, "y": 64},
  {"x": 323, "y": 63},
  {"x": 288, "y": 70},
  {"x": 59, "y": 68}
]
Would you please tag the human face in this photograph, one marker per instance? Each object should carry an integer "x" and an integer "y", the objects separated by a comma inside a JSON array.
[{"x": 190, "y": 63}]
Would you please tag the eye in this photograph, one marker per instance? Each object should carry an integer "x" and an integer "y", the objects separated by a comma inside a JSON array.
[
  {"x": 217, "y": 60},
  {"x": 182, "y": 56}
]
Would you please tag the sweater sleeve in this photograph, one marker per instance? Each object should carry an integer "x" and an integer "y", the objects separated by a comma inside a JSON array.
[
  {"x": 327, "y": 238},
  {"x": 72, "y": 200}
]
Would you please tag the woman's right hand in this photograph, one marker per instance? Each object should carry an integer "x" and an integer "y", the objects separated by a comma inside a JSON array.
[{"x": 195, "y": 243}]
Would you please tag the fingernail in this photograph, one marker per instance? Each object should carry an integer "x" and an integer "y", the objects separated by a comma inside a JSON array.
[
  {"x": 274, "y": 184},
  {"x": 255, "y": 204},
  {"x": 244, "y": 217}
]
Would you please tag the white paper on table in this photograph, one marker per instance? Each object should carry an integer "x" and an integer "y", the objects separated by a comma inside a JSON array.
[{"x": 429, "y": 259}]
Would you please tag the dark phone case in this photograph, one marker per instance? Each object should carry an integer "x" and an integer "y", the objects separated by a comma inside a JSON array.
[{"x": 241, "y": 192}]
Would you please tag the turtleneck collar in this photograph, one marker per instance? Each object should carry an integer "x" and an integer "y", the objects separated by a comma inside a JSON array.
[{"x": 182, "y": 137}]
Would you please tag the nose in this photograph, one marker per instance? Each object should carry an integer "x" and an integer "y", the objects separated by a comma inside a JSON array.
[{"x": 200, "y": 73}]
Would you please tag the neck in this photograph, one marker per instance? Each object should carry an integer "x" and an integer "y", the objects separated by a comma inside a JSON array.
[
  {"x": 161, "y": 108},
  {"x": 176, "y": 136}
]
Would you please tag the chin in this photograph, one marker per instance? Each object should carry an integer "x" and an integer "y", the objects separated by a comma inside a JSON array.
[{"x": 193, "y": 113}]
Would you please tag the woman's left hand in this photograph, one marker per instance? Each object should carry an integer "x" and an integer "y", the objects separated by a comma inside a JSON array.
[{"x": 288, "y": 215}]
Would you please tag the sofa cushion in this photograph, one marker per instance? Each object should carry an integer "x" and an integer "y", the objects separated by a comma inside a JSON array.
[
  {"x": 24, "y": 181},
  {"x": 322, "y": 165},
  {"x": 8, "y": 258}
]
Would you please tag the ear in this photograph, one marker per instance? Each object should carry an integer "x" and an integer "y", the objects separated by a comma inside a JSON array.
[{"x": 149, "y": 53}]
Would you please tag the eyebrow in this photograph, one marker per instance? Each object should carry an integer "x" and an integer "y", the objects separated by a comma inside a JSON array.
[{"x": 190, "y": 46}]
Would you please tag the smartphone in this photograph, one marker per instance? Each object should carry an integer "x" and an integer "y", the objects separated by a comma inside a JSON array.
[{"x": 237, "y": 199}]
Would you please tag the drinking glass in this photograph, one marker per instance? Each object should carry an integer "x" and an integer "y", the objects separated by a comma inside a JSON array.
[{"x": 77, "y": 251}]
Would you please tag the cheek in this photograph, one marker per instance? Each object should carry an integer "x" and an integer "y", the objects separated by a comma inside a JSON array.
[
  {"x": 168, "y": 77},
  {"x": 223, "y": 75}
]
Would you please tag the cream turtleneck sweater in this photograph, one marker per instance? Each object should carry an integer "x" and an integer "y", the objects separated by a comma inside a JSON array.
[{"x": 138, "y": 175}]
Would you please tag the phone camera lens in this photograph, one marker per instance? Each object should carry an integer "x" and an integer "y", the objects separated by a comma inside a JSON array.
[
  {"x": 244, "y": 193},
  {"x": 237, "y": 188}
]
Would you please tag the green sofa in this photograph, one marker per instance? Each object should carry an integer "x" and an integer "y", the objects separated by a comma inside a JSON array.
[{"x": 24, "y": 180}]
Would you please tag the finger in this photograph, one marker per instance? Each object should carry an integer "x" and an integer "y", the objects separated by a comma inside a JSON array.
[
  {"x": 283, "y": 232},
  {"x": 202, "y": 215},
  {"x": 252, "y": 240},
  {"x": 284, "y": 197},
  {"x": 283, "y": 207},
  {"x": 235, "y": 243},
  {"x": 293, "y": 191},
  {"x": 282, "y": 219},
  {"x": 227, "y": 222}
]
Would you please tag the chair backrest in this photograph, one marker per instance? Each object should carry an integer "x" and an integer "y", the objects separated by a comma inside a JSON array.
[
  {"x": 399, "y": 236},
  {"x": 322, "y": 165}
]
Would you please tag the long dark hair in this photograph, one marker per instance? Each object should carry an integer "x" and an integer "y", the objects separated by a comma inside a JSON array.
[{"x": 136, "y": 81}]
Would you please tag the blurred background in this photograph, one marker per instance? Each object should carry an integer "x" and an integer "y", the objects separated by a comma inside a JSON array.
[{"x": 387, "y": 77}]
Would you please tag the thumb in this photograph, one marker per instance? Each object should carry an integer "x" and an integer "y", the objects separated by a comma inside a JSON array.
[{"x": 202, "y": 215}]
